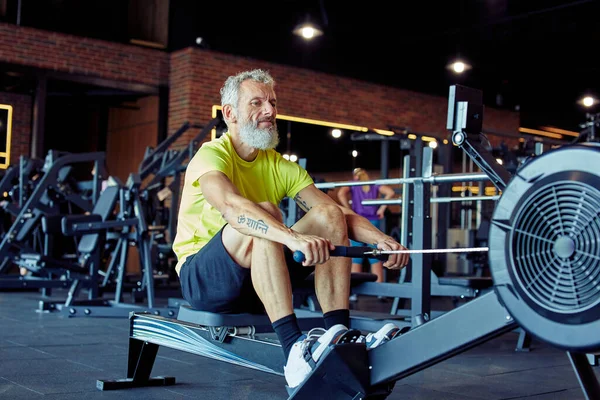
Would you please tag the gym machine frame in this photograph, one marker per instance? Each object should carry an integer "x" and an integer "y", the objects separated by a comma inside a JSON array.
[
  {"x": 348, "y": 371},
  {"x": 30, "y": 210},
  {"x": 158, "y": 164}
]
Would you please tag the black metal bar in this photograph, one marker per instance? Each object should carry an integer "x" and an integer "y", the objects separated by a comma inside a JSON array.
[
  {"x": 465, "y": 120},
  {"x": 96, "y": 182},
  {"x": 405, "y": 222},
  {"x": 22, "y": 181},
  {"x": 23, "y": 282},
  {"x": 147, "y": 272},
  {"x": 458, "y": 330},
  {"x": 174, "y": 165},
  {"x": 585, "y": 375},
  {"x": 421, "y": 229},
  {"x": 444, "y": 209},
  {"x": 152, "y": 160},
  {"x": 100, "y": 226},
  {"x": 94, "y": 267},
  {"x": 174, "y": 208},
  {"x": 524, "y": 341},
  {"x": 140, "y": 369},
  {"x": 133, "y": 357},
  {"x": 122, "y": 267}
]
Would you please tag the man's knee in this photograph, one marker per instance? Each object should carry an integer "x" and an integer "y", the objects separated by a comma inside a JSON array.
[
  {"x": 328, "y": 214},
  {"x": 272, "y": 209},
  {"x": 329, "y": 220}
]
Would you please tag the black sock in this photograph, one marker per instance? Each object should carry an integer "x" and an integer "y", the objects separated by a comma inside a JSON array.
[
  {"x": 335, "y": 317},
  {"x": 288, "y": 332}
]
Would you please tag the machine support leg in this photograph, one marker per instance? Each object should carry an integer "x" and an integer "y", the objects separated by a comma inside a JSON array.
[{"x": 585, "y": 375}]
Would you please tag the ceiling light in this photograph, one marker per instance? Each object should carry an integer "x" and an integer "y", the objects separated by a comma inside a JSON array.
[
  {"x": 433, "y": 144},
  {"x": 354, "y": 153},
  {"x": 293, "y": 158},
  {"x": 458, "y": 66},
  {"x": 588, "y": 101},
  {"x": 308, "y": 30},
  {"x": 336, "y": 133}
]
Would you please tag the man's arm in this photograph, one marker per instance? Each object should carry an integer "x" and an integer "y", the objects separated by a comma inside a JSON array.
[
  {"x": 359, "y": 228},
  {"x": 248, "y": 218}
]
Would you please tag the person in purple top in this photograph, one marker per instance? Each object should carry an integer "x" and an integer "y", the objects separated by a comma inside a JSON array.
[{"x": 352, "y": 197}]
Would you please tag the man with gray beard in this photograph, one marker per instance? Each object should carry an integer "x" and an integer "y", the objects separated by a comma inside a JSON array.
[
  {"x": 234, "y": 251},
  {"x": 262, "y": 139}
]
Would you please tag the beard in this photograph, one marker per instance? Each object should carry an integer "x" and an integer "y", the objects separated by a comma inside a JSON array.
[{"x": 262, "y": 139}]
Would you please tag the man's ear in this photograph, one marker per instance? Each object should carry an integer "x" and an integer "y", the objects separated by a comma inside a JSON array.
[{"x": 229, "y": 113}]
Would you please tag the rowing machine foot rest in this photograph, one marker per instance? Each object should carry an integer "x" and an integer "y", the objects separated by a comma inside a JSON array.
[
  {"x": 128, "y": 383},
  {"x": 342, "y": 373}
]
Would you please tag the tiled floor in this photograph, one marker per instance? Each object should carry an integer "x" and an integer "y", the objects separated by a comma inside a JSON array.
[{"x": 50, "y": 356}]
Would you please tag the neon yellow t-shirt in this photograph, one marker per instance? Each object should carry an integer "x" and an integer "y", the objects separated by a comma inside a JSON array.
[{"x": 269, "y": 177}]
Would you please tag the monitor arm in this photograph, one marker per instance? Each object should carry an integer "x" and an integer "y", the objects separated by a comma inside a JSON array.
[{"x": 465, "y": 120}]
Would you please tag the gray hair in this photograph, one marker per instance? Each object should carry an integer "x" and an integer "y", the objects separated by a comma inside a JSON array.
[{"x": 230, "y": 92}]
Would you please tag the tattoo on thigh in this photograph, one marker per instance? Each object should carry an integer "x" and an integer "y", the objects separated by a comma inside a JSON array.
[
  {"x": 259, "y": 225},
  {"x": 301, "y": 203}
]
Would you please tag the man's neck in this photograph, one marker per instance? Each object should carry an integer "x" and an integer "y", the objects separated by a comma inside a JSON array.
[{"x": 245, "y": 152}]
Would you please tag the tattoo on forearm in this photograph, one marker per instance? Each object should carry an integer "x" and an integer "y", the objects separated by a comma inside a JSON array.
[
  {"x": 301, "y": 203},
  {"x": 259, "y": 225}
]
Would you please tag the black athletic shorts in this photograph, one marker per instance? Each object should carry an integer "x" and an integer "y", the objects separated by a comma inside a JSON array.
[{"x": 212, "y": 281}]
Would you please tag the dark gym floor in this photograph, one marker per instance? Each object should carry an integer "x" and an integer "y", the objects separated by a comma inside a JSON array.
[{"x": 46, "y": 355}]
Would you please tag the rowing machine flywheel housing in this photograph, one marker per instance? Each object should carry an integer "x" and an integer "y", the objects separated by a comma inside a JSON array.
[{"x": 545, "y": 247}]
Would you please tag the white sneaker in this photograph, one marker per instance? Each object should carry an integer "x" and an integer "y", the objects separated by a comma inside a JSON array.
[
  {"x": 384, "y": 334},
  {"x": 307, "y": 350}
]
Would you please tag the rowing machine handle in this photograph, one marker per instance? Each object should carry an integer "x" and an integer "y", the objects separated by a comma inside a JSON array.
[{"x": 342, "y": 251}]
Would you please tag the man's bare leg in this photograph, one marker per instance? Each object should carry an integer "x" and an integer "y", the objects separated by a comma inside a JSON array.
[
  {"x": 269, "y": 272},
  {"x": 332, "y": 279},
  {"x": 271, "y": 281}
]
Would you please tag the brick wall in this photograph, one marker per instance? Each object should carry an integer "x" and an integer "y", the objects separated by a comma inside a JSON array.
[
  {"x": 21, "y": 124},
  {"x": 197, "y": 75},
  {"x": 83, "y": 56}
]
